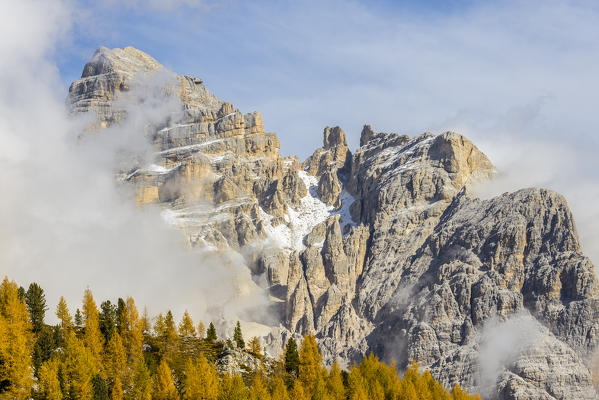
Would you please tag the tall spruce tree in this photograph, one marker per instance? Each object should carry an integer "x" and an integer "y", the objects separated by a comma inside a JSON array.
[
  {"x": 238, "y": 336},
  {"x": 211, "y": 333},
  {"x": 100, "y": 390},
  {"x": 78, "y": 318},
  {"x": 291, "y": 357},
  {"x": 107, "y": 319},
  {"x": 120, "y": 314},
  {"x": 36, "y": 304}
]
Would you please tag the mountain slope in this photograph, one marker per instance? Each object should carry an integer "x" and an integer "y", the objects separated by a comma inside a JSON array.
[{"x": 383, "y": 250}]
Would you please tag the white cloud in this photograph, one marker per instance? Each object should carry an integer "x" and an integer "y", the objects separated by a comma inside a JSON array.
[{"x": 66, "y": 222}]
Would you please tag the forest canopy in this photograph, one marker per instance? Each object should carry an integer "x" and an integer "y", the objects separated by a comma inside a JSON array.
[{"x": 113, "y": 352}]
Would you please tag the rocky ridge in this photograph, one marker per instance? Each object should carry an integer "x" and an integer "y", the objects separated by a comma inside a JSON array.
[{"x": 385, "y": 250}]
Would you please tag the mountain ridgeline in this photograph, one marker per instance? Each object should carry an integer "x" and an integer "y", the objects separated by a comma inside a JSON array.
[{"x": 385, "y": 249}]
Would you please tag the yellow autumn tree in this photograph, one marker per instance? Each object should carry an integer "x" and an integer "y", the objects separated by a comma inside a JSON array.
[
  {"x": 164, "y": 387},
  {"x": 208, "y": 379},
  {"x": 80, "y": 365},
  {"x": 232, "y": 388},
  {"x": 49, "y": 384},
  {"x": 258, "y": 390},
  {"x": 335, "y": 386},
  {"x": 144, "y": 322},
  {"x": 460, "y": 394},
  {"x": 117, "y": 390},
  {"x": 142, "y": 383},
  {"x": 298, "y": 392},
  {"x": 309, "y": 364},
  {"x": 201, "y": 330},
  {"x": 16, "y": 342},
  {"x": 166, "y": 333},
  {"x": 132, "y": 332},
  {"x": 356, "y": 386},
  {"x": 186, "y": 327},
  {"x": 279, "y": 389},
  {"x": 62, "y": 312},
  {"x": 92, "y": 337},
  {"x": 115, "y": 360},
  {"x": 254, "y": 347}
]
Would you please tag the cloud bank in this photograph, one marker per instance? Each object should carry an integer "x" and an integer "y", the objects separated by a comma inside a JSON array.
[{"x": 66, "y": 221}]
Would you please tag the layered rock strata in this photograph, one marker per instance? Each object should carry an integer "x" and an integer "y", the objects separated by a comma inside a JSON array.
[{"x": 385, "y": 250}]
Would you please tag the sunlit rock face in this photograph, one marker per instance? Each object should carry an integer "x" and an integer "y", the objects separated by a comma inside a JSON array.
[{"x": 385, "y": 250}]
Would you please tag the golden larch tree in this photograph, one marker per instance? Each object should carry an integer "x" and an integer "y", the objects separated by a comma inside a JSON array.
[
  {"x": 92, "y": 337},
  {"x": 164, "y": 387},
  {"x": 115, "y": 360},
  {"x": 232, "y": 388},
  {"x": 279, "y": 389},
  {"x": 201, "y": 330},
  {"x": 258, "y": 390},
  {"x": 186, "y": 327},
  {"x": 309, "y": 364},
  {"x": 62, "y": 312},
  {"x": 49, "y": 384},
  {"x": 254, "y": 347},
  {"x": 298, "y": 392},
  {"x": 335, "y": 385},
  {"x": 117, "y": 390},
  {"x": 142, "y": 383},
  {"x": 16, "y": 342},
  {"x": 80, "y": 366},
  {"x": 132, "y": 332}
]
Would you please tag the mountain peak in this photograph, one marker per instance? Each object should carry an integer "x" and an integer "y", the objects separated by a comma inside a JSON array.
[{"x": 128, "y": 60}]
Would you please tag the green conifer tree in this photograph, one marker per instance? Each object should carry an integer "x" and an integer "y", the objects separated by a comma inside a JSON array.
[
  {"x": 107, "y": 319},
  {"x": 100, "y": 390},
  {"x": 211, "y": 333},
  {"x": 238, "y": 336},
  {"x": 36, "y": 304},
  {"x": 78, "y": 318},
  {"x": 291, "y": 357}
]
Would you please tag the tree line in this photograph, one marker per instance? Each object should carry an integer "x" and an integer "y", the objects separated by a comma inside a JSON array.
[{"x": 114, "y": 353}]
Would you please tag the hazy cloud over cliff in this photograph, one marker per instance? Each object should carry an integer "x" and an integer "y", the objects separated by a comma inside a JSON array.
[{"x": 66, "y": 222}]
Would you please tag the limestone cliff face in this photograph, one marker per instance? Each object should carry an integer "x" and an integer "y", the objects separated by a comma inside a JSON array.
[{"x": 384, "y": 250}]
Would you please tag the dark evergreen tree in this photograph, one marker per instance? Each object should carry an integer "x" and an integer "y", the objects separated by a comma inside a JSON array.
[
  {"x": 230, "y": 344},
  {"x": 238, "y": 336},
  {"x": 291, "y": 357},
  {"x": 78, "y": 318},
  {"x": 44, "y": 347},
  {"x": 121, "y": 309},
  {"x": 36, "y": 304},
  {"x": 21, "y": 292},
  {"x": 211, "y": 333},
  {"x": 107, "y": 319},
  {"x": 100, "y": 390}
]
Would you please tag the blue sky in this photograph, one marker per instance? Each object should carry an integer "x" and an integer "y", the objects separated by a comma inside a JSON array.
[
  {"x": 407, "y": 66},
  {"x": 321, "y": 59}
]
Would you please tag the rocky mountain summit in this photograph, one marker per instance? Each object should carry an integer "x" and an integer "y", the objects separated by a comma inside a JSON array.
[{"x": 385, "y": 250}]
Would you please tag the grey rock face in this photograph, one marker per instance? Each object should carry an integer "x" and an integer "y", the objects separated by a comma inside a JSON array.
[{"x": 386, "y": 250}]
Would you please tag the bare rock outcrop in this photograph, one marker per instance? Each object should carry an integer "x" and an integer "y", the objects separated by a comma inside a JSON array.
[{"x": 386, "y": 250}]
